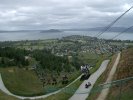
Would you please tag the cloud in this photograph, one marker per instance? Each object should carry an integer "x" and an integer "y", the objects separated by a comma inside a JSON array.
[{"x": 44, "y": 14}]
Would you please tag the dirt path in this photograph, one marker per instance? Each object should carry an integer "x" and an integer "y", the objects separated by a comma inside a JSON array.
[
  {"x": 82, "y": 93},
  {"x": 105, "y": 92}
]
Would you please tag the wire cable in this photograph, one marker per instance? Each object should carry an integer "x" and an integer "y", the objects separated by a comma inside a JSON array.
[
  {"x": 109, "y": 26},
  {"x": 122, "y": 32}
]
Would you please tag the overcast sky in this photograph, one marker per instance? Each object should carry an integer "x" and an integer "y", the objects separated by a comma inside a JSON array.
[{"x": 48, "y": 14}]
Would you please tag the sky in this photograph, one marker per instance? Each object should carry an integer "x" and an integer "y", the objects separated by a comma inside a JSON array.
[{"x": 63, "y": 14}]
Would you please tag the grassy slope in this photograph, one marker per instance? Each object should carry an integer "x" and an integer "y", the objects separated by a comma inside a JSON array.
[
  {"x": 87, "y": 57},
  {"x": 6, "y": 97},
  {"x": 64, "y": 95},
  {"x": 26, "y": 83},
  {"x": 33, "y": 87},
  {"x": 124, "y": 70},
  {"x": 71, "y": 77},
  {"x": 21, "y": 82}
]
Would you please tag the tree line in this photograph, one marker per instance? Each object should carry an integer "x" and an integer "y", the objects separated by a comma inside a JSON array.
[
  {"x": 51, "y": 62},
  {"x": 10, "y": 56}
]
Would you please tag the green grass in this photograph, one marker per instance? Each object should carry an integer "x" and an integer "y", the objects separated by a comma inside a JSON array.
[
  {"x": 26, "y": 83},
  {"x": 126, "y": 92},
  {"x": 30, "y": 46},
  {"x": 71, "y": 78},
  {"x": 64, "y": 95},
  {"x": 87, "y": 57},
  {"x": 126, "y": 95},
  {"x": 3, "y": 96},
  {"x": 21, "y": 82},
  {"x": 97, "y": 65}
]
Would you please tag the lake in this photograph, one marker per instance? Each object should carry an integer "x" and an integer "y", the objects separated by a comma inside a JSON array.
[{"x": 35, "y": 35}]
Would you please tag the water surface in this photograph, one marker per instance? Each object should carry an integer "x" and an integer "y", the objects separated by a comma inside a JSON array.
[{"x": 35, "y": 35}]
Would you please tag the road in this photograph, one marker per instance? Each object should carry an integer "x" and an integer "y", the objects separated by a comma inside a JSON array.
[
  {"x": 82, "y": 93},
  {"x": 105, "y": 92},
  {"x": 5, "y": 90}
]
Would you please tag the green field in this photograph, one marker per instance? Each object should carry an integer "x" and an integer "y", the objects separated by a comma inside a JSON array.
[
  {"x": 88, "y": 58},
  {"x": 64, "y": 94},
  {"x": 3, "y": 96},
  {"x": 26, "y": 83},
  {"x": 21, "y": 82}
]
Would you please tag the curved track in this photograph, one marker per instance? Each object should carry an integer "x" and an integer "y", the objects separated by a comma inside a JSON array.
[
  {"x": 5, "y": 90},
  {"x": 76, "y": 96}
]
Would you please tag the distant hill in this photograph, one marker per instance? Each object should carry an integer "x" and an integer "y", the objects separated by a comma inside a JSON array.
[
  {"x": 50, "y": 31},
  {"x": 112, "y": 29}
]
